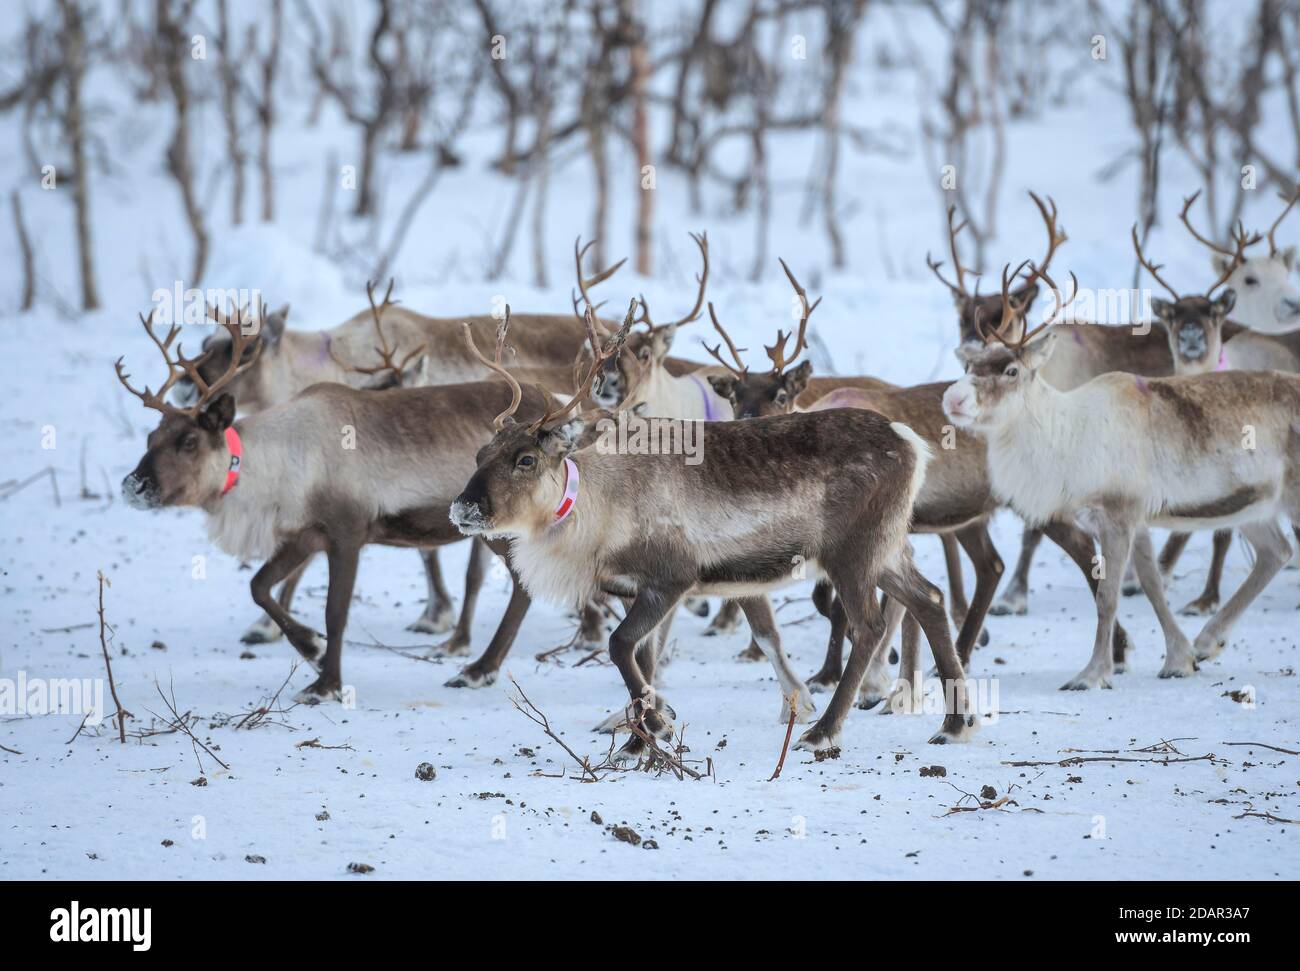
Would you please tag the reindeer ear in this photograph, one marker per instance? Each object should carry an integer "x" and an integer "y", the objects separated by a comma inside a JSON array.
[
  {"x": 663, "y": 340},
  {"x": 1035, "y": 354},
  {"x": 795, "y": 381},
  {"x": 273, "y": 326},
  {"x": 1162, "y": 308},
  {"x": 219, "y": 415},
  {"x": 1224, "y": 304},
  {"x": 1287, "y": 256},
  {"x": 563, "y": 439},
  {"x": 967, "y": 351},
  {"x": 724, "y": 385}
]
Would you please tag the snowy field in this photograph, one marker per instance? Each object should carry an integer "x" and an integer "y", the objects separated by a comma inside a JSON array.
[{"x": 310, "y": 790}]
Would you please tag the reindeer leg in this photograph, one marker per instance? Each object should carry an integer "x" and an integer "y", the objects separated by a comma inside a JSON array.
[
  {"x": 906, "y": 698},
  {"x": 1272, "y": 551},
  {"x": 856, "y": 590},
  {"x": 924, "y": 602},
  {"x": 726, "y": 620},
  {"x": 1116, "y": 540},
  {"x": 293, "y": 555},
  {"x": 1079, "y": 547},
  {"x": 1208, "y": 602},
  {"x": 1015, "y": 598},
  {"x": 343, "y": 554},
  {"x": 1178, "y": 649},
  {"x": 958, "y": 605},
  {"x": 438, "y": 614},
  {"x": 977, "y": 543},
  {"x": 264, "y": 630},
  {"x": 647, "y": 611},
  {"x": 458, "y": 643},
  {"x": 648, "y": 654},
  {"x": 758, "y": 611},
  {"x": 879, "y": 683},
  {"x": 1173, "y": 549},
  {"x": 483, "y": 672},
  {"x": 828, "y": 606}
]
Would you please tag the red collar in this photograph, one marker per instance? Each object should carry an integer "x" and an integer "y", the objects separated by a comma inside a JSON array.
[
  {"x": 236, "y": 457},
  {"x": 570, "y": 498}
]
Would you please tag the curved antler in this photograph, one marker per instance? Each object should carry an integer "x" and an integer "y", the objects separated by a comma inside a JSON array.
[
  {"x": 1012, "y": 310},
  {"x": 600, "y": 353},
  {"x": 776, "y": 353},
  {"x": 1055, "y": 236},
  {"x": 1152, "y": 268},
  {"x": 385, "y": 352},
  {"x": 958, "y": 288},
  {"x": 1272, "y": 244},
  {"x": 585, "y": 284},
  {"x": 516, "y": 392},
  {"x": 740, "y": 370},
  {"x": 1060, "y": 305},
  {"x": 702, "y": 243}
]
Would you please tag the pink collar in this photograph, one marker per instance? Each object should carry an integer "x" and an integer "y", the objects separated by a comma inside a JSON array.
[
  {"x": 1223, "y": 360},
  {"x": 570, "y": 498},
  {"x": 236, "y": 457}
]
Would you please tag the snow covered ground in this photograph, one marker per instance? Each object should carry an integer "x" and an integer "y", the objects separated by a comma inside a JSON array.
[{"x": 506, "y": 800}]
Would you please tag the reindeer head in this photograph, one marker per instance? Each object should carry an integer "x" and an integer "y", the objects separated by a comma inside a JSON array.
[
  {"x": 773, "y": 392},
  {"x": 1001, "y": 369},
  {"x": 1195, "y": 322},
  {"x": 973, "y": 310},
  {"x": 248, "y": 385},
  {"x": 1266, "y": 298},
  {"x": 187, "y": 457},
  {"x": 641, "y": 360},
  {"x": 520, "y": 476}
]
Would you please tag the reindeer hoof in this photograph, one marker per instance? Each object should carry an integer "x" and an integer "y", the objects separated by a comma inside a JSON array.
[
  {"x": 1131, "y": 588},
  {"x": 469, "y": 678},
  {"x": 1010, "y": 604},
  {"x": 751, "y": 653},
  {"x": 699, "y": 606},
  {"x": 1179, "y": 669},
  {"x": 1085, "y": 680},
  {"x": 983, "y": 639},
  {"x": 439, "y": 623},
  {"x": 617, "y": 721},
  {"x": 804, "y": 708},
  {"x": 449, "y": 648},
  {"x": 815, "y": 740},
  {"x": 823, "y": 681},
  {"x": 1200, "y": 607},
  {"x": 264, "y": 631},
  {"x": 318, "y": 691},
  {"x": 956, "y": 729},
  {"x": 631, "y": 752},
  {"x": 1208, "y": 648}
]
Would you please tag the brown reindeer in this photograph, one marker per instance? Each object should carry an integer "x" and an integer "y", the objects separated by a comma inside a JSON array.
[
  {"x": 329, "y": 471},
  {"x": 955, "y": 501},
  {"x": 830, "y": 492}
]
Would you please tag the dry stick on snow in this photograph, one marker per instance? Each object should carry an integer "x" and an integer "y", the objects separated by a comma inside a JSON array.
[
  {"x": 537, "y": 716},
  {"x": 1284, "y": 751},
  {"x": 11, "y": 751},
  {"x": 1269, "y": 816},
  {"x": 999, "y": 804},
  {"x": 108, "y": 665},
  {"x": 789, "y": 730},
  {"x": 1078, "y": 760},
  {"x": 77, "y": 733},
  {"x": 12, "y": 487},
  {"x": 255, "y": 717},
  {"x": 180, "y": 723}
]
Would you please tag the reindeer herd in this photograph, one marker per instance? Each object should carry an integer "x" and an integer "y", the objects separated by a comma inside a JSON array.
[{"x": 405, "y": 430}]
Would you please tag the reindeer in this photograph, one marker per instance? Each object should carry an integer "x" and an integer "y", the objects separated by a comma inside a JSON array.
[
  {"x": 1267, "y": 301},
  {"x": 955, "y": 501},
  {"x": 831, "y": 491},
  {"x": 279, "y": 485},
  {"x": 1136, "y": 452}
]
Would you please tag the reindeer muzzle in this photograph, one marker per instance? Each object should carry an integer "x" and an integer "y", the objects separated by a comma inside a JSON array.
[
  {"x": 139, "y": 492},
  {"x": 468, "y": 517}
]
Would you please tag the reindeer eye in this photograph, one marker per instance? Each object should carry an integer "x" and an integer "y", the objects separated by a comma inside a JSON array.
[
  {"x": 781, "y": 397},
  {"x": 526, "y": 462},
  {"x": 189, "y": 443},
  {"x": 1252, "y": 281},
  {"x": 1011, "y": 371}
]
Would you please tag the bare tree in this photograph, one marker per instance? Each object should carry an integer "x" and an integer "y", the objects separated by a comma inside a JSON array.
[
  {"x": 230, "y": 85},
  {"x": 174, "y": 48},
  {"x": 75, "y": 59},
  {"x": 264, "y": 102}
]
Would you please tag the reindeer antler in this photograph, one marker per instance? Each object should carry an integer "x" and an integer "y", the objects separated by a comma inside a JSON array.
[
  {"x": 1272, "y": 244},
  {"x": 600, "y": 353},
  {"x": 740, "y": 369},
  {"x": 1011, "y": 310},
  {"x": 517, "y": 393},
  {"x": 1055, "y": 236},
  {"x": 1060, "y": 305},
  {"x": 182, "y": 366},
  {"x": 1152, "y": 268},
  {"x": 776, "y": 353},
  {"x": 585, "y": 284},
  {"x": 385, "y": 352},
  {"x": 702, "y": 278},
  {"x": 958, "y": 288},
  {"x": 1237, "y": 256}
]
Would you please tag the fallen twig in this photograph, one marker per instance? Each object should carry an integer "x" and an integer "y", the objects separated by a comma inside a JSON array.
[
  {"x": 256, "y": 716},
  {"x": 315, "y": 743},
  {"x": 108, "y": 665},
  {"x": 13, "y": 486},
  {"x": 1274, "y": 748},
  {"x": 180, "y": 723},
  {"x": 1078, "y": 760},
  {"x": 793, "y": 701},
  {"x": 11, "y": 751},
  {"x": 1251, "y": 811},
  {"x": 538, "y": 717}
]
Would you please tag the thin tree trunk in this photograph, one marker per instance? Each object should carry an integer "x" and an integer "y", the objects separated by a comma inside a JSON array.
[
  {"x": 230, "y": 112},
  {"x": 641, "y": 139},
  {"x": 75, "y": 39},
  {"x": 25, "y": 249}
]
